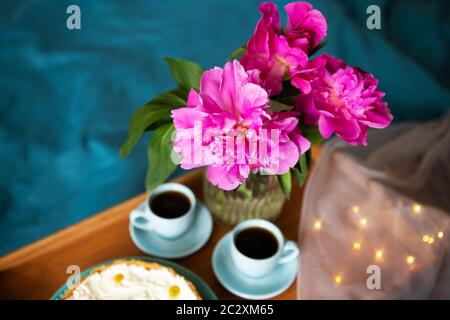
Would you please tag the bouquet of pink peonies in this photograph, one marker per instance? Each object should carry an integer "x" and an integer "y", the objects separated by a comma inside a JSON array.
[{"x": 261, "y": 112}]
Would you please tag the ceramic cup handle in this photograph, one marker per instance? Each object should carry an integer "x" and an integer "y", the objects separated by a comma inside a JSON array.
[
  {"x": 139, "y": 219},
  {"x": 290, "y": 252}
]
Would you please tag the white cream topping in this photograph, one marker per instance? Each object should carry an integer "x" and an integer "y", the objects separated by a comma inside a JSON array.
[{"x": 133, "y": 282}]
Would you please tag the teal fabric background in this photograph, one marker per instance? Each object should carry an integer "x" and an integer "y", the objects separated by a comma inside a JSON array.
[{"x": 66, "y": 96}]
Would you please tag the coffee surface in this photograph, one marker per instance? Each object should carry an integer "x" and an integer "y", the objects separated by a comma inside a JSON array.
[
  {"x": 256, "y": 243},
  {"x": 170, "y": 204}
]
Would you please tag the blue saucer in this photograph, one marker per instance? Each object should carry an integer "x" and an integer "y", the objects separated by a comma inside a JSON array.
[
  {"x": 234, "y": 281},
  {"x": 189, "y": 242}
]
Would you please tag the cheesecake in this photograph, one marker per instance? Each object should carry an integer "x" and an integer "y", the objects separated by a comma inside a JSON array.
[{"x": 133, "y": 280}]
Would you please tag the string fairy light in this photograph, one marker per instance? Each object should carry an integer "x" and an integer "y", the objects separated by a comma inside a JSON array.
[
  {"x": 379, "y": 254},
  {"x": 317, "y": 225},
  {"x": 417, "y": 208},
  {"x": 363, "y": 222},
  {"x": 410, "y": 260},
  {"x": 356, "y": 245},
  {"x": 428, "y": 239}
]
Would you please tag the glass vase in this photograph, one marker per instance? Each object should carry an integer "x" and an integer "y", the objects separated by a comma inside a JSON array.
[{"x": 260, "y": 197}]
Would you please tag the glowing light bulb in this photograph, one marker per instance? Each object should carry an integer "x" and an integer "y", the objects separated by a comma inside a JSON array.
[
  {"x": 378, "y": 254},
  {"x": 440, "y": 234},
  {"x": 356, "y": 245},
  {"x": 428, "y": 239},
  {"x": 417, "y": 208},
  {"x": 355, "y": 209},
  {"x": 363, "y": 222},
  {"x": 338, "y": 279},
  {"x": 317, "y": 225},
  {"x": 410, "y": 260}
]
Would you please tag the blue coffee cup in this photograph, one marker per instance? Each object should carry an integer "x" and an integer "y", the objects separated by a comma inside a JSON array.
[
  {"x": 146, "y": 219},
  {"x": 286, "y": 252}
]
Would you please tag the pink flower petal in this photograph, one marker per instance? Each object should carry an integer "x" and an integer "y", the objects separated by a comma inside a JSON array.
[
  {"x": 348, "y": 130},
  {"x": 326, "y": 126},
  {"x": 185, "y": 118},
  {"x": 376, "y": 119},
  {"x": 270, "y": 14},
  {"x": 309, "y": 113},
  {"x": 224, "y": 177},
  {"x": 306, "y": 26},
  {"x": 302, "y": 143},
  {"x": 344, "y": 100},
  {"x": 193, "y": 99}
]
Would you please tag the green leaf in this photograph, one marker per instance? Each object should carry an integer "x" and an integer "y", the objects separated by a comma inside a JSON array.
[
  {"x": 303, "y": 163},
  {"x": 141, "y": 119},
  {"x": 160, "y": 164},
  {"x": 186, "y": 73},
  {"x": 286, "y": 184},
  {"x": 308, "y": 155},
  {"x": 312, "y": 134},
  {"x": 298, "y": 175},
  {"x": 237, "y": 54},
  {"x": 172, "y": 98},
  {"x": 317, "y": 48},
  {"x": 288, "y": 95},
  {"x": 278, "y": 106},
  {"x": 300, "y": 171},
  {"x": 243, "y": 190}
]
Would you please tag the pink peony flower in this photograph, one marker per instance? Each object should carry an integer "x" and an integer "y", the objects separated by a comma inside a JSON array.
[
  {"x": 278, "y": 56},
  {"x": 232, "y": 106},
  {"x": 306, "y": 27},
  {"x": 344, "y": 100},
  {"x": 269, "y": 51}
]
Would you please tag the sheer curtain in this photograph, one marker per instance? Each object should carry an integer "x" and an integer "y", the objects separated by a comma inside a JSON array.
[{"x": 375, "y": 220}]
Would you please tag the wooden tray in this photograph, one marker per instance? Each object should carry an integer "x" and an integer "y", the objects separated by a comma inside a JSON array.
[{"x": 36, "y": 271}]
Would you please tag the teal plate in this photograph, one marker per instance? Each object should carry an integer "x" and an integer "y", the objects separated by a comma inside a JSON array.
[{"x": 203, "y": 289}]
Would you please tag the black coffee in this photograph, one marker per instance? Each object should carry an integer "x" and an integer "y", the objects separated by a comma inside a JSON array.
[
  {"x": 170, "y": 204},
  {"x": 256, "y": 243}
]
